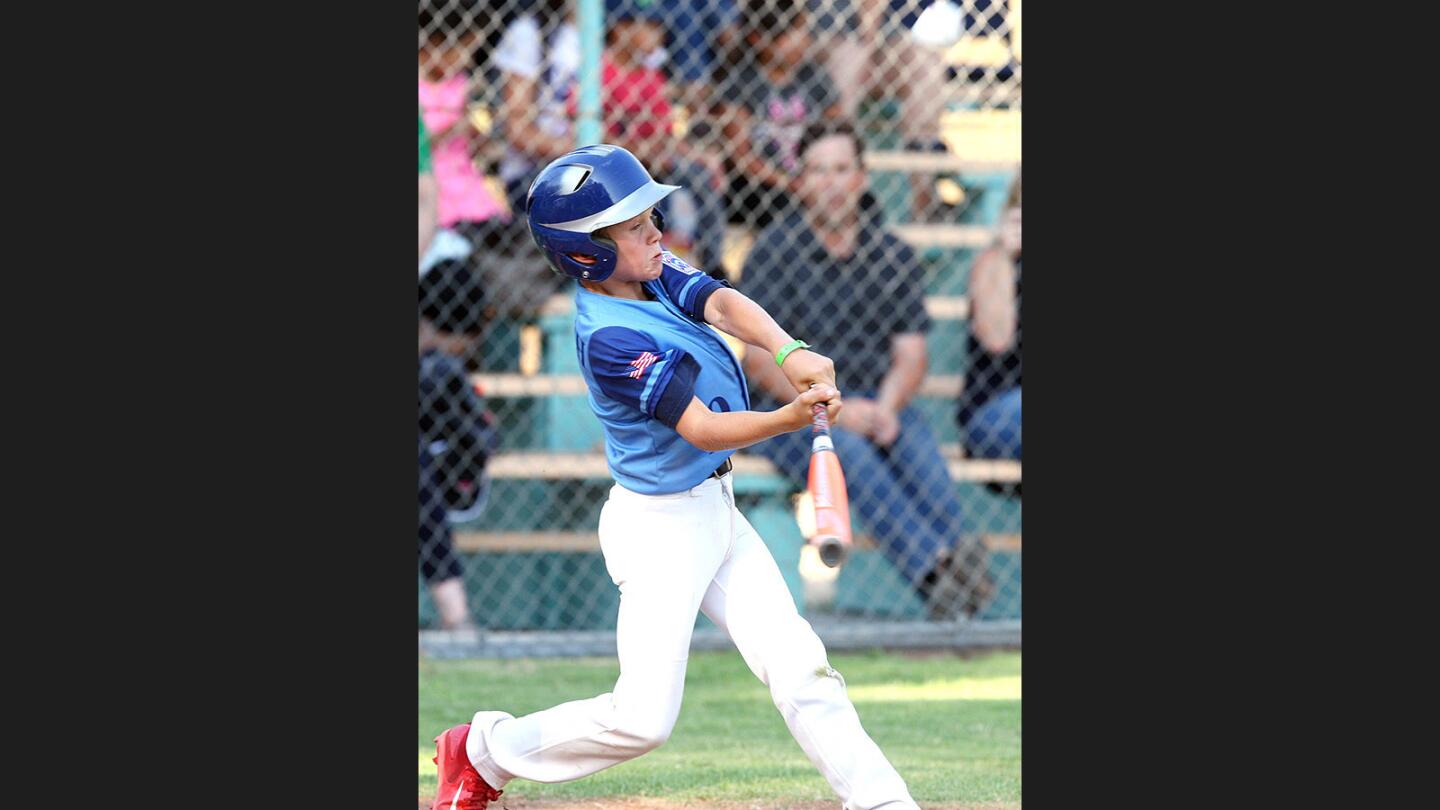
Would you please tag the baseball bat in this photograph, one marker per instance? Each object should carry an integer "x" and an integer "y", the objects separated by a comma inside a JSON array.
[{"x": 827, "y": 488}]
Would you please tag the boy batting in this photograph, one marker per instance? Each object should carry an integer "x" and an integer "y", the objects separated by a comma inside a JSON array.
[{"x": 674, "y": 404}]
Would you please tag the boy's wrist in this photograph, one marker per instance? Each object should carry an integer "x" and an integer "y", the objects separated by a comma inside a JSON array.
[{"x": 788, "y": 349}]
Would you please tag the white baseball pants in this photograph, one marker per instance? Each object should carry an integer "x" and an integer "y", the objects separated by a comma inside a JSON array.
[{"x": 671, "y": 555}]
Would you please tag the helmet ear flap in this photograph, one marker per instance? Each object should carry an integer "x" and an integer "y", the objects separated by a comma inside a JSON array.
[{"x": 597, "y": 238}]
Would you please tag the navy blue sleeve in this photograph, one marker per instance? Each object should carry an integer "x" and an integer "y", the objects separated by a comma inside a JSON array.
[
  {"x": 628, "y": 366},
  {"x": 686, "y": 286}
]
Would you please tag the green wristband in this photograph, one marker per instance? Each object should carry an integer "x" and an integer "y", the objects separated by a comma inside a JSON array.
[{"x": 787, "y": 349}]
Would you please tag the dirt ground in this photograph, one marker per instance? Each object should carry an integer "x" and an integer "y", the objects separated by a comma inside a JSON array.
[{"x": 504, "y": 803}]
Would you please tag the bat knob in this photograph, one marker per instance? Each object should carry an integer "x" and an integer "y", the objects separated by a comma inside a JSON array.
[{"x": 832, "y": 551}]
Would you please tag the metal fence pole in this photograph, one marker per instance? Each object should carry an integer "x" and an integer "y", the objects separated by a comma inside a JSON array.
[{"x": 592, "y": 33}]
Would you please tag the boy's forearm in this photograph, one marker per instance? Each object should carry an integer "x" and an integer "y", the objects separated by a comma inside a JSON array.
[
  {"x": 734, "y": 314},
  {"x": 736, "y": 429}
]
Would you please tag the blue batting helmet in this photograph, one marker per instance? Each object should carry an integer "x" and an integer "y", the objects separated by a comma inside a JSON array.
[{"x": 588, "y": 189}]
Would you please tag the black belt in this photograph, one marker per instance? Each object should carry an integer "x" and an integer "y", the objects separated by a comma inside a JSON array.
[{"x": 722, "y": 469}]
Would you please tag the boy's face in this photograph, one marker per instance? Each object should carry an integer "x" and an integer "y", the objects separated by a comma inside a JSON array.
[{"x": 637, "y": 243}]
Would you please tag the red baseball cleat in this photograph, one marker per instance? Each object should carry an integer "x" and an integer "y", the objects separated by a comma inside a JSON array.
[{"x": 461, "y": 786}]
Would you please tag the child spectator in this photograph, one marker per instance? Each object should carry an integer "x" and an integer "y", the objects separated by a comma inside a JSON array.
[
  {"x": 445, "y": 88},
  {"x": 537, "y": 59},
  {"x": 449, "y": 82},
  {"x": 638, "y": 116},
  {"x": 896, "y": 48},
  {"x": 765, "y": 104}
]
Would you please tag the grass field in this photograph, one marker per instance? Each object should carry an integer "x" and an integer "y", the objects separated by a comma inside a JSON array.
[{"x": 950, "y": 725}]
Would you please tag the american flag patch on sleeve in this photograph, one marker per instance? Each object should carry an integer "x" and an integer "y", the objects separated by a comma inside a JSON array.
[
  {"x": 679, "y": 264},
  {"x": 644, "y": 361}
]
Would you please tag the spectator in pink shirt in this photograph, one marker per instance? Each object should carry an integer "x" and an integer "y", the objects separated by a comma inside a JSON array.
[
  {"x": 449, "y": 81},
  {"x": 445, "y": 90}
]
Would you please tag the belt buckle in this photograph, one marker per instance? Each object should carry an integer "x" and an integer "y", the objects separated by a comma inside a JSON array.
[{"x": 722, "y": 469}]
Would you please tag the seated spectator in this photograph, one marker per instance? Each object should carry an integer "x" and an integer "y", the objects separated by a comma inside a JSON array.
[
  {"x": 896, "y": 49},
  {"x": 989, "y": 413},
  {"x": 449, "y": 82},
  {"x": 702, "y": 42},
  {"x": 446, "y": 87},
  {"x": 764, "y": 104},
  {"x": 537, "y": 59},
  {"x": 637, "y": 113},
  {"x": 835, "y": 278},
  {"x": 456, "y": 434}
]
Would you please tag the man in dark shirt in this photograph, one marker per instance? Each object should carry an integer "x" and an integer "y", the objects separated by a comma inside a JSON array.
[{"x": 839, "y": 280}]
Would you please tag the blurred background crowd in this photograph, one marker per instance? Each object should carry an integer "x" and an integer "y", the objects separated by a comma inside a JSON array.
[{"x": 851, "y": 165}]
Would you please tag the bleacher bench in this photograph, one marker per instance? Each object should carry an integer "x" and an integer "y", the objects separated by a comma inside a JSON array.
[{"x": 548, "y": 465}]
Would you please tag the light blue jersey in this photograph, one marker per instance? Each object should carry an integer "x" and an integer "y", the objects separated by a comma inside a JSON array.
[{"x": 643, "y": 362}]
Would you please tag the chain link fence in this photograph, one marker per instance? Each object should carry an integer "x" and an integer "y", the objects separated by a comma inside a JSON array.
[{"x": 888, "y": 237}]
